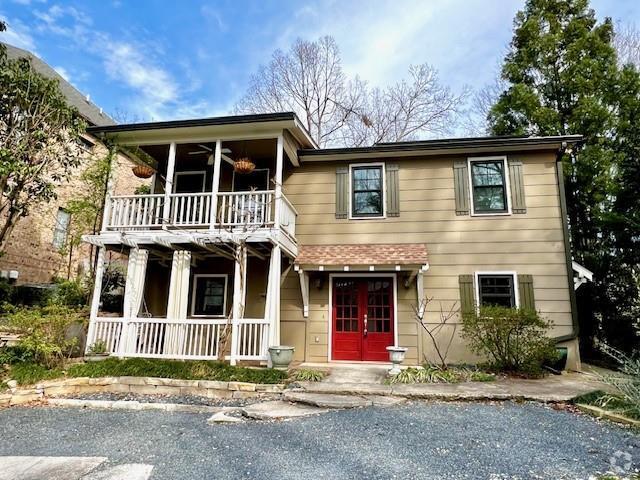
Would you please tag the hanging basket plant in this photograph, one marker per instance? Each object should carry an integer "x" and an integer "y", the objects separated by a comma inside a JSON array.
[
  {"x": 244, "y": 165},
  {"x": 143, "y": 171}
]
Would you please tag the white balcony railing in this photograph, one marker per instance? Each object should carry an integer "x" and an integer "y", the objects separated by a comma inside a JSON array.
[
  {"x": 183, "y": 339},
  {"x": 250, "y": 210}
]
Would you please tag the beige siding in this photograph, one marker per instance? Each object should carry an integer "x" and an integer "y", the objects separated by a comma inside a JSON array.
[{"x": 530, "y": 243}]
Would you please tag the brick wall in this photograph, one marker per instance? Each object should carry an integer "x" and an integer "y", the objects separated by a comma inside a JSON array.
[{"x": 30, "y": 248}]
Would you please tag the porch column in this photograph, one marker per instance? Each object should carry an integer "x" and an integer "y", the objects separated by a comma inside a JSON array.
[
  {"x": 217, "y": 161},
  {"x": 278, "y": 180},
  {"x": 133, "y": 294},
  {"x": 106, "y": 209},
  {"x": 239, "y": 298},
  {"x": 272, "y": 306},
  {"x": 95, "y": 299},
  {"x": 168, "y": 184},
  {"x": 178, "y": 301}
]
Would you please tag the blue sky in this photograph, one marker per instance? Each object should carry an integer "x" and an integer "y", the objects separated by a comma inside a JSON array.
[{"x": 158, "y": 60}]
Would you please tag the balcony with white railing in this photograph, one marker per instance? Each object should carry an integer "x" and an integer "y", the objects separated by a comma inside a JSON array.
[{"x": 230, "y": 211}]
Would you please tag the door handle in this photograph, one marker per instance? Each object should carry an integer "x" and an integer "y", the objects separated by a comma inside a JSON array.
[{"x": 365, "y": 324}]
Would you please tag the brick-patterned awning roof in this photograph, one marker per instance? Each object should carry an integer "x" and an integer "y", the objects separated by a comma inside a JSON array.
[{"x": 378, "y": 254}]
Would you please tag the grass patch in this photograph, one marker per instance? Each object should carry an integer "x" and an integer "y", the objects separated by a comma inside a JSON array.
[
  {"x": 29, "y": 373},
  {"x": 610, "y": 402},
  {"x": 436, "y": 374},
  {"x": 200, "y": 370},
  {"x": 307, "y": 375}
]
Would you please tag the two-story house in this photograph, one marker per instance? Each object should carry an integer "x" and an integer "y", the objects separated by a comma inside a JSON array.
[{"x": 253, "y": 236}]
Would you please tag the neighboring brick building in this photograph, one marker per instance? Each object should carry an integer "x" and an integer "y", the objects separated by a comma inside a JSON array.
[{"x": 36, "y": 249}]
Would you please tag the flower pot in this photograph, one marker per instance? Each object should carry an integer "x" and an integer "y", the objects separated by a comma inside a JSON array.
[
  {"x": 243, "y": 166},
  {"x": 281, "y": 356},
  {"x": 143, "y": 171},
  {"x": 96, "y": 357},
  {"x": 396, "y": 357}
]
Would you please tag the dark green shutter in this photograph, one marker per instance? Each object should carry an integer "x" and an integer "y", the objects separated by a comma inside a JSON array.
[
  {"x": 342, "y": 192},
  {"x": 461, "y": 186},
  {"x": 525, "y": 289},
  {"x": 467, "y": 296},
  {"x": 393, "y": 191},
  {"x": 516, "y": 180}
]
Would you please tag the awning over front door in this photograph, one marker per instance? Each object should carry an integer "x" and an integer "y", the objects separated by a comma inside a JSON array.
[{"x": 410, "y": 258}]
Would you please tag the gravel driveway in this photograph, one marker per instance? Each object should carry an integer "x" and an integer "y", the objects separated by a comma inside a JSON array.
[{"x": 417, "y": 440}]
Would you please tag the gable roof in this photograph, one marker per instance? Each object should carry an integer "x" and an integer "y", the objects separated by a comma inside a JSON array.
[{"x": 89, "y": 110}]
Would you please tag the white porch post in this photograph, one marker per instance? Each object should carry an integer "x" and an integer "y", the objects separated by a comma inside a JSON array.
[
  {"x": 217, "y": 161},
  {"x": 133, "y": 294},
  {"x": 273, "y": 296},
  {"x": 278, "y": 180},
  {"x": 168, "y": 184},
  {"x": 239, "y": 298},
  {"x": 95, "y": 298},
  {"x": 106, "y": 210},
  {"x": 178, "y": 300}
]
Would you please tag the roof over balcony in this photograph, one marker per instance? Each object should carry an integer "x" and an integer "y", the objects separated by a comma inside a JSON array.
[{"x": 205, "y": 129}]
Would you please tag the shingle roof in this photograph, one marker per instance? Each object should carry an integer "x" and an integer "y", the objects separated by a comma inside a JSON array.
[
  {"x": 90, "y": 111},
  {"x": 376, "y": 254}
]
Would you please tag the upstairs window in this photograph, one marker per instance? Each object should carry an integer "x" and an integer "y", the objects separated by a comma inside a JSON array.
[
  {"x": 367, "y": 191},
  {"x": 209, "y": 296},
  {"x": 61, "y": 228},
  {"x": 496, "y": 289},
  {"x": 488, "y": 186}
]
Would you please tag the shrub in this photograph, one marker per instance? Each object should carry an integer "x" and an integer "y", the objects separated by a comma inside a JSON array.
[
  {"x": 307, "y": 375},
  {"x": 70, "y": 293},
  {"x": 514, "y": 340},
  {"x": 628, "y": 382},
  {"x": 200, "y": 370},
  {"x": 436, "y": 374},
  {"x": 15, "y": 354},
  {"x": 27, "y": 373},
  {"x": 44, "y": 331}
]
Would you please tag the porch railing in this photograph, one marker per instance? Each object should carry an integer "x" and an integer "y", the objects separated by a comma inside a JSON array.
[
  {"x": 194, "y": 210},
  {"x": 182, "y": 339}
]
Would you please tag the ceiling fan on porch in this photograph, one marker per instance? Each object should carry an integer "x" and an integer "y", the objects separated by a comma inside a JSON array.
[{"x": 209, "y": 150}]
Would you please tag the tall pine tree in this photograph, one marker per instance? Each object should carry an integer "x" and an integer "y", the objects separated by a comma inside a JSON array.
[{"x": 563, "y": 77}]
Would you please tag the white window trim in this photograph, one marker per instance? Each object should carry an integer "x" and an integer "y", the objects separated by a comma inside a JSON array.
[
  {"x": 516, "y": 286},
  {"x": 507, "y": 185},
  {"x": 190, "y": 172},
  {"x": 330, "y": 309},
  {"x": 384, "y": 191},
  {"x": 233, "y": 178},
  {"x": 64, "y": 231},
  {"x": 196, "y": 277}
]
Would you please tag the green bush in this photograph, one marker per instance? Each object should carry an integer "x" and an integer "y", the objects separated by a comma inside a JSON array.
[
  {"x": 70, "y": 293},
  {"x": 513, "y": 340},
  {"x": 15, "y": 354},
  {"x": 200, "y": 370},
  {"x": 27, "y": 373},
  {"x": 44, "y": 331},
  {"x": 628, "y": 381},
  {"x": 436, "y": 374}
]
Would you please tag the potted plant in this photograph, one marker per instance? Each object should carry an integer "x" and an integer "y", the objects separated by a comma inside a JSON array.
[
  {"x": 396, "y": 357},
  {"x": 97, "y": 352},
  {"x": 281, "y": 356}
]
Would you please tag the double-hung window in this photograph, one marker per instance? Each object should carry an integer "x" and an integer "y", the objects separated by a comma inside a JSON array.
[
  {"x": 209, "y": 296},
  {"x": 489, "y": 186},
  {"x": 367, "y": 191},
  {"x": 61, "y": 228},
  {"x": 496, "y": 289}
]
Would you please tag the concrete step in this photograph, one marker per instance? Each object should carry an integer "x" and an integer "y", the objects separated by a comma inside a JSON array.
[
  {"x": 327, "y": 400},
  {"x": 279, "y": 410}
]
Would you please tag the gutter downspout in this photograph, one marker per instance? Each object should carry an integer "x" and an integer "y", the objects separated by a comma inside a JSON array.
[{"x": 567, "y": 245}]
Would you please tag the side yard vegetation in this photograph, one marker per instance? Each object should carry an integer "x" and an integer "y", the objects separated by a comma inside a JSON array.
[{"x": 436, "y": 374}]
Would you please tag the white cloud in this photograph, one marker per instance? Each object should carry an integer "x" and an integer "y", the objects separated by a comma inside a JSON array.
[
  {"x": 63, "y": 73},
  {"x": 17, "y": 34}
]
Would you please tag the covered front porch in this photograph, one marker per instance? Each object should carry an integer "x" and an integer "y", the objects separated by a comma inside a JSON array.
[{"x": 201, "y": 302}]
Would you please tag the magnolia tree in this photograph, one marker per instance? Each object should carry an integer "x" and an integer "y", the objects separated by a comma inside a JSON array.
[{"x": 39, "y": 141}]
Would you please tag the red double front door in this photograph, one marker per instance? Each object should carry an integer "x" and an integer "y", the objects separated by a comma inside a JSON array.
[{"x": 362, "y": 318}]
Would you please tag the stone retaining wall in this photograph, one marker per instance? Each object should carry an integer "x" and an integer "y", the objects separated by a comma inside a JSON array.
[{"x": 137, "y": 385}]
